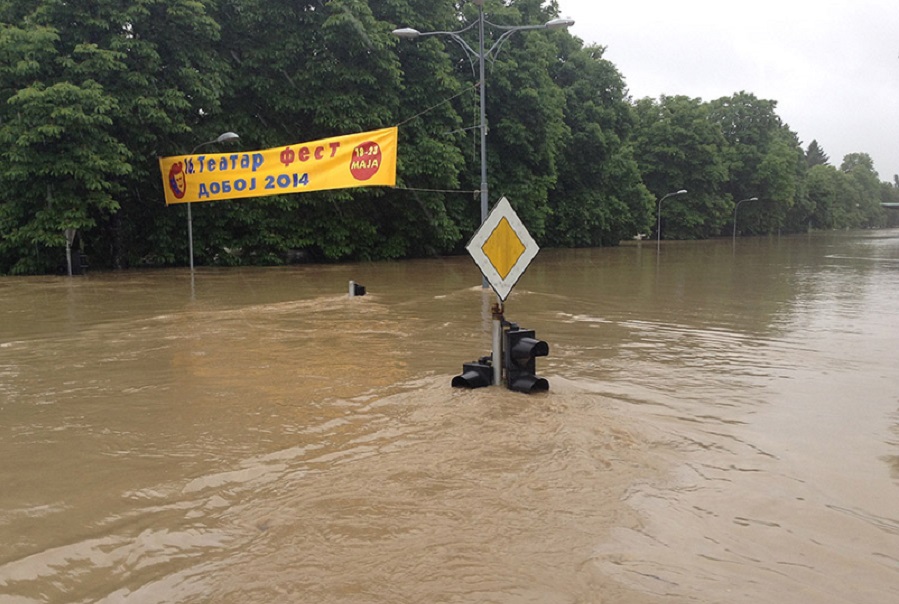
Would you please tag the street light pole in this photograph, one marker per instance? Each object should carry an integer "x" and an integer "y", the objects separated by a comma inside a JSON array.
[
  {"x": 659, "y": 219},
  {"x": 482, "y": 85},
  {"x": 222, "y": 138},
  {"x": 737, "y": 207},
  {"x": 481, "y": 54}
]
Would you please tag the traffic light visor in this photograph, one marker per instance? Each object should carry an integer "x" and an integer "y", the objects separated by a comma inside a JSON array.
[{"x": 474, "y": 375}]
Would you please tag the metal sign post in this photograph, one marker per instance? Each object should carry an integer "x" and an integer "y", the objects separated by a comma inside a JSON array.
[
  {"x": 502, "y": 248},
  {"x": 498, "y": 343},
  {"x": 70, "y": 239}
]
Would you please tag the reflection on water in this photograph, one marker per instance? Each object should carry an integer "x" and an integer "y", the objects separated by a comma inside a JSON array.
[{"x": 722, "y": 426}]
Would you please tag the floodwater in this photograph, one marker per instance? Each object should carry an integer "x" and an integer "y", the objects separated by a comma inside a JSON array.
[{"x": 722, "y": 426}]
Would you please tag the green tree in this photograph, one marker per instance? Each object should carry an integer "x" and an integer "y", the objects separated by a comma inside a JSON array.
[
  {"x": 815, "y": 156},
  {"x": 90, "y": 92},
  {"x": 679, "y": 146},
  {"x": 60, "y": 157},
  {"x": 889, "y": 193},
  {"x": 525, "y": 111},
  {"x": 302, "y": 71},
  {"x": 863, "y": 205},
  {"x": 764, "y": 159},
  {"x": 599, "y": 198},
  {"x": 848, "y": 197},
  {"x": 438, "y": 163},
  {"x": 170, "y": 94},
  {"x": 827, "y": 186}
]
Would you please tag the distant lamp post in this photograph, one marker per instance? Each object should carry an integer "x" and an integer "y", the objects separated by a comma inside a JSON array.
[
  {"x": 737, "y": 207},
  {"x": 225, "y": 137},
  {"x": 481, "y": 55},
  {"x": 659, "y": 219}
]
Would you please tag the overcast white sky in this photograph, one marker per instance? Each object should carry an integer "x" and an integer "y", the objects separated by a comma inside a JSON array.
[{"x": 832, "y": 66}]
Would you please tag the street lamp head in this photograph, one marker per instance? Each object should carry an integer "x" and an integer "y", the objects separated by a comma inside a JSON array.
[
  {"x": 227, "y": 137},
  {"x": 559, "y": 23},
  {"x": 753, "y": 199},
  {"x": 681, "y": 192},
  {"x": 482, "y": 54},
  {"x": 406, "y": 33}
]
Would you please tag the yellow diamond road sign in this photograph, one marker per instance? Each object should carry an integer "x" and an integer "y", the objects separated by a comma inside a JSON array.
[{"x": 502, "y": 248}]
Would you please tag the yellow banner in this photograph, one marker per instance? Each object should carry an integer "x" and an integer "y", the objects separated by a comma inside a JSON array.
[{"x": 367, "y": 159}]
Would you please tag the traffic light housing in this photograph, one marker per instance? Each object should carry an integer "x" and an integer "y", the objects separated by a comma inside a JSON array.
[
  {"x": 520, "y": 350},
  {"x": 476, "y": 374}
]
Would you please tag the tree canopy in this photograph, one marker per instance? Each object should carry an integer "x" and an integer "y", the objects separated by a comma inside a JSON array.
[{"x": 92, "y": 93}]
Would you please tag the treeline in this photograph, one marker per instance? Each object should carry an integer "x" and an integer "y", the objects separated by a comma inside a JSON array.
[{"x": 94, "y": 91}]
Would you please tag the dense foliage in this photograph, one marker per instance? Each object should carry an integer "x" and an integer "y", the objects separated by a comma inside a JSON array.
[{"x": 93, "y": 92}]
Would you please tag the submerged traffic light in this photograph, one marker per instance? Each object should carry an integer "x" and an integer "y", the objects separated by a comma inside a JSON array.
[
  {"x": 476, "y": 374},
  {"x": 521, "y": 348}
]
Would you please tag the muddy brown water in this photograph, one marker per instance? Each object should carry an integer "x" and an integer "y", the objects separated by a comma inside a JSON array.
[{"x": 722, "y": 426}]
